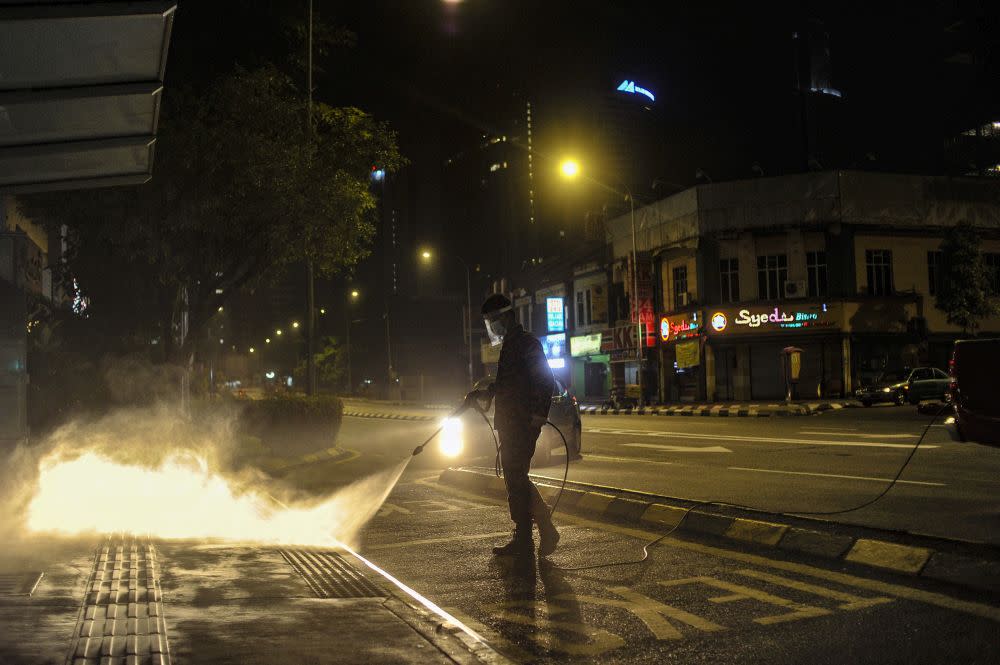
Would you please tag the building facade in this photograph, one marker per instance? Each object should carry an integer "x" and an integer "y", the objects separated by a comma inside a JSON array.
[{"x": 841, "y": 266}]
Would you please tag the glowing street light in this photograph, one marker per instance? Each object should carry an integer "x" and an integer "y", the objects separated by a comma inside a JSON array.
[
  {"x": 322, "y": 311},
  {"x": 570, "y": 168},
  {"x": 426, "y": 255},
  {"x": 355, "y": 294},
  {"x": 295, "y": 324},
  {"x": 251, "y": 349},
  {"x": 278, "y": 332},
  {"x": 267, "y": 340},
  {"x": 220, "y": 308}
]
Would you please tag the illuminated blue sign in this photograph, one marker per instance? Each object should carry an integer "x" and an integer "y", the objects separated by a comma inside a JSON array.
[
  {"x": 631, "y": 88},
  {"x": 555, "y": 314}
]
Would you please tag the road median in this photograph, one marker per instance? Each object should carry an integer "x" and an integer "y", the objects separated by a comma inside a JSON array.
[
  {"x": 757, "y": 410},
  {"x": 973, "y": 565}
]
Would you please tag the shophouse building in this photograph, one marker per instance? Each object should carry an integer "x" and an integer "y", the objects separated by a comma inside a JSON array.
[{"x": 841, "y": 265}]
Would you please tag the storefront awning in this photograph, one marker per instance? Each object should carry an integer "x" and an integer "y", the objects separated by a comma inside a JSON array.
[{"x": 80, "y": 89}]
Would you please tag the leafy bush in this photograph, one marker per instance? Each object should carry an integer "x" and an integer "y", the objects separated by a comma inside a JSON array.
[{"x": 293, "y": 410}]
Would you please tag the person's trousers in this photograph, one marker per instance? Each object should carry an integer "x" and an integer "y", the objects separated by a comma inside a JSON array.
[{"x": 517, "y": 446}]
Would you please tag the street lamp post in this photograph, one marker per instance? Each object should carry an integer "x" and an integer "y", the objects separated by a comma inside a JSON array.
[
  {"x": 426, "y": 255},
  {"x": 571, "y": 169},
  {"x": 352, "y": 297}
]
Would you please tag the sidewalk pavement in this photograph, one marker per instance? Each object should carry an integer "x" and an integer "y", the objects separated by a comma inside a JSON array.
[
  {"x": 968, "y": 564},
  {"x": 136, "y": 601},
  {"x": 726, "y": 409}
]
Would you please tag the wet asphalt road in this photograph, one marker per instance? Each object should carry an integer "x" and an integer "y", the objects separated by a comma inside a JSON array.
[
  {"x": 828, "y": 462},
  {"x": 694, "y": 600}
]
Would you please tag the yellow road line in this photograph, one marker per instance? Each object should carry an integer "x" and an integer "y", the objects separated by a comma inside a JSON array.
[{"x": 886, "y": 588}]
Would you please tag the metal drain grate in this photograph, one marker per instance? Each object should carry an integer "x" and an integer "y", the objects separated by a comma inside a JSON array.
[
  {"x": 19, "y": 584},
  {"x": 329, "y": 576}
]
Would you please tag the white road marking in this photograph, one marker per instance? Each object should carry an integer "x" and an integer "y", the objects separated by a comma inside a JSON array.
[
  {"x": 834, "y": 475},
  {"x": 680, "y": 449},
  {"x": 867, "y": 436},
  {"x": 839, "y": 429},
  {"x": 609, "y": 458},
  {"x": 750, "y": 439}
]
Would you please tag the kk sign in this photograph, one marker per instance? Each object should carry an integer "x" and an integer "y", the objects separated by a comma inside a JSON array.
[{"x": 800, "y": 318}]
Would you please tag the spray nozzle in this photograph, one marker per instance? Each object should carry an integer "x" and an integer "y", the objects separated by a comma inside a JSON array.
[{"x": 470, "y": 403}]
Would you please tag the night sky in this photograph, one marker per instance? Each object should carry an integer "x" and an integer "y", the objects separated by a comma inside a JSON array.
[{"x": 723, "y": 74}]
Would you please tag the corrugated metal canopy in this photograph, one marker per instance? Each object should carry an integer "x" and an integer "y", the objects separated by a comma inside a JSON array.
[{"x": 80, "y": 92}]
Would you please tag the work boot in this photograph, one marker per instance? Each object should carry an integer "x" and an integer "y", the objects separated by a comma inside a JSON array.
[
  {"x": 548, "y": 538},
  {"x": 521, "y": 543}
]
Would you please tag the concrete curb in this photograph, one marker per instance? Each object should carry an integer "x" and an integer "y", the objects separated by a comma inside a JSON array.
[
  {"x": 390, "y": 416},
  {"x": 978, "y": 571},
  {"x": 721, "y": 410},
  {"x": 459, "y": 646}
]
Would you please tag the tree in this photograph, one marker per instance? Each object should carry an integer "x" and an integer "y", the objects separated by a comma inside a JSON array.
[
  {"x": 239, "y": 192},
  {"x": 964, "y": 293},
  {"x": 331, "y": 364}
]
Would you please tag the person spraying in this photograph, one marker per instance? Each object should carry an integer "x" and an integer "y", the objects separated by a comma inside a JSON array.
[{"x": 523, "y": 393}]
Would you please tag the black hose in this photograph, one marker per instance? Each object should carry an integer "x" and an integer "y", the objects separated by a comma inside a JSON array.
[{"x": 646, "y": 546}]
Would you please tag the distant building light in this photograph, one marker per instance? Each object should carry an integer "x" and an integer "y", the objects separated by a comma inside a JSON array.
[
  {"x": 251, "y": 349},
  {"x": 270, "y": 374},
  {"x": 633, "y": 89},
  {"x": 378, "y": 175},
  {"x": 222, "y": 341},
  {"x": 494, "y": 167},
  {"x": 220, "y": 308},
  {"x": 833, "y": 92},
  {"x": 267, "y": 340},
  {"x": 218, "y": 292}
]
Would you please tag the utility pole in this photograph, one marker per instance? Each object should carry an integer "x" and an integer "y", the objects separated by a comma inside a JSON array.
[
  {"x": 311, "y": 304},
  {"x": 640, "y": 337}
]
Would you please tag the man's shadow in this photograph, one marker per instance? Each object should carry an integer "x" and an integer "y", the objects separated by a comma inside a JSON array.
[{"x": 533, "y": 615}]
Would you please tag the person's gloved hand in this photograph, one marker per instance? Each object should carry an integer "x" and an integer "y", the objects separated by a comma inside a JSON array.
[{"x": 475, "y": 399}]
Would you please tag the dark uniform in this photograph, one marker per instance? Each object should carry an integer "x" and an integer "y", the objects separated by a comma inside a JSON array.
[{"x": 523, "y": 393}]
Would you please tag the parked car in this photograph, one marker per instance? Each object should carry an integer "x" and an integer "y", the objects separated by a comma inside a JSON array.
[
  {"x": 468, "y": 436},
  {"x": 974, "y": 394},
  {"x": 906, "y": 385}
]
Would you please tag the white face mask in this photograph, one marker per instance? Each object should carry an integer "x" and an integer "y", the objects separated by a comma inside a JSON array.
[{"x": 495, "y": 327}]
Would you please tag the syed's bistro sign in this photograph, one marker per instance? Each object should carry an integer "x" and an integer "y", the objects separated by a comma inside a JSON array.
[{"x": 760, "y": 320}]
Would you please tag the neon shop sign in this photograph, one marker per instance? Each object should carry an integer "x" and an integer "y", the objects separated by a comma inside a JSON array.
[
  {"x": 679, "y": 328},
  {"x": 633, "y": 89},
  {"x": 776, "y": 318}
]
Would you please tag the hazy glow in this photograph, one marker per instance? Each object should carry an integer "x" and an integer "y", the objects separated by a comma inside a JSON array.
[
  {"x": 182, "y": 498},
  {"x": 451, "y": 437},
  {"x": 425, "y": 254},
  {"x": 570, "y": 168}
]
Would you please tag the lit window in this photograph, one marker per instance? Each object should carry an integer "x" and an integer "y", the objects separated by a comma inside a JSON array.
[
  {"x": 878, "y": 265},
  {"x": 772, "y": 273},
  {"x": 934, "y": 272},
  {"x": 729, "y": 278},
  {"x": 816, "y": 270},
  {"x": 680, "y": 287}
]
